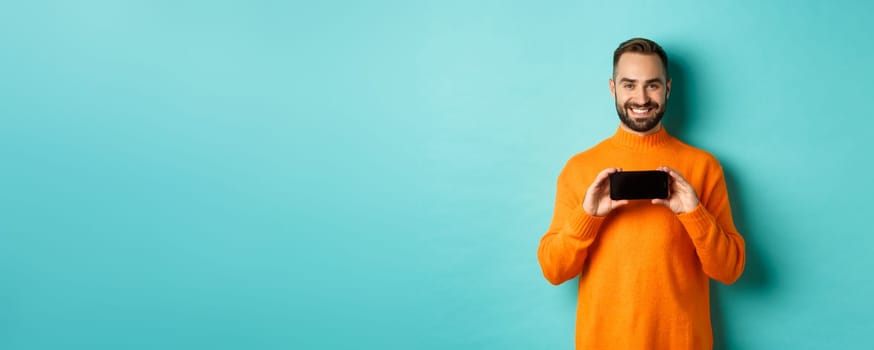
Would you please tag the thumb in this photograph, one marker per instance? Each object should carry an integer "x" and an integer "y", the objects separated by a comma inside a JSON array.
[
  {"x": 617, "y": 204},
  {"x": 658, "y": 201}
]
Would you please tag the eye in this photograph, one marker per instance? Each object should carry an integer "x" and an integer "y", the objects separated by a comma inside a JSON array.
[
  {"x": 653, "y": 86},
  {"x": 628, "y": 86}
]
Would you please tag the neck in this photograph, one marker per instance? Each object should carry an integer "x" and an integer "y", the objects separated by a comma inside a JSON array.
[{"x": 654, "y": 130}]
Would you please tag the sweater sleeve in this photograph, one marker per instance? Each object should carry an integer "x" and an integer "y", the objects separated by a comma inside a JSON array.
[
  {"x": 564, "y": 247},
  {"x": 719, "y": 246}
]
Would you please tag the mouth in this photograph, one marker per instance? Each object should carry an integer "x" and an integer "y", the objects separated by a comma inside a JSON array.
[{"x": 641, "y": 112}]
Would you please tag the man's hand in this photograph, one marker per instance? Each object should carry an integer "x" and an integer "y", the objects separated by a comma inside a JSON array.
[
  {"x": 597, "y": 201},
  {"x": 681, "y": 197}
]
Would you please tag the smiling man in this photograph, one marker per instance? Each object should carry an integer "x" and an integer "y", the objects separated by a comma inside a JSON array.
[{"x": 644, "y": 265}]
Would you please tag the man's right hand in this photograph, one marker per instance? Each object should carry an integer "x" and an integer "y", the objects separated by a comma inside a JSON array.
[{"x": 597, "y": 201}]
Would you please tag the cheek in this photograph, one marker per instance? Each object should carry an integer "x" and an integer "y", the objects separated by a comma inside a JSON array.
[{"x": 622, "y": 99}]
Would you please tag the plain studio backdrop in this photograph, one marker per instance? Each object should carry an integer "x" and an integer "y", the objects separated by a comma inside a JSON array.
[{"x": 378, "y": 174}]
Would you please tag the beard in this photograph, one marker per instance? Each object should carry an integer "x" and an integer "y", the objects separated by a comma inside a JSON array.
[{"x": 640, "y": 124}]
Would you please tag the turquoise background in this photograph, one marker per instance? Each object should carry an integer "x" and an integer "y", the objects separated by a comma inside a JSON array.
[{"x": 377, "y": 175}]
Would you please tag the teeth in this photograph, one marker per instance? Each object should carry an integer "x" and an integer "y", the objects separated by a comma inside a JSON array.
[{"x": 639, "y": 111}]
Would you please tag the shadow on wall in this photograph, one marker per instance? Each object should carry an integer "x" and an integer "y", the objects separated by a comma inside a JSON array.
[
  {"x": 675, "y": 121},
  {"x": 758, "y": 275},
  {"x": 757, "y": 278}
]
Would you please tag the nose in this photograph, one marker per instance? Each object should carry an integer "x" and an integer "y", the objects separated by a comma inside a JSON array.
[{"x": 640, "y": 96}]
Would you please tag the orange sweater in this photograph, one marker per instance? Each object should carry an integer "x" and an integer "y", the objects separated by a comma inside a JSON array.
[{"x": 644, "y": 271}]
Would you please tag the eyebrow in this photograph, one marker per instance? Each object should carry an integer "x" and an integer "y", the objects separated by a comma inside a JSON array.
[{"x": 654, "y": 80}]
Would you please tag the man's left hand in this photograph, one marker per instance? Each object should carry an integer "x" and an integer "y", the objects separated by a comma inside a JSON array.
[{"x": 681, "y": 196}]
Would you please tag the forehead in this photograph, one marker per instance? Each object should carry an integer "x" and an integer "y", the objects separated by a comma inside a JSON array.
[{"x": 637, "y": 66}]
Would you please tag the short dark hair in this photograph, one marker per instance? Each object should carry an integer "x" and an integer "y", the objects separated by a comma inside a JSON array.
[{"x": 643, "y": 46}]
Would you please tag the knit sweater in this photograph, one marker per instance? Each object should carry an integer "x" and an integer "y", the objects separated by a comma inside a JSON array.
[{"x": 644, "y": 270}]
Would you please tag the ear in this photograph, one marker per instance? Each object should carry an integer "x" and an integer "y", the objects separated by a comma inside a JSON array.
[
  {"x": 668, "y": 89},
  {"x": 613, "y": 88}
]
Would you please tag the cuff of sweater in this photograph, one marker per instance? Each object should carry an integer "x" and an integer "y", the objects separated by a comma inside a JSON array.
[
  {"x": 583, "y": 225},
  {"x": 697, "y": 222}
]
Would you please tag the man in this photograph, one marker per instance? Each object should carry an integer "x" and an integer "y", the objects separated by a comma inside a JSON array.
[{"x": 644, "y": 265}]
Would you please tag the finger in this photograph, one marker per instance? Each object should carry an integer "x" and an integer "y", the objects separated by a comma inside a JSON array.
[
  {"x": 668, "y": 170},
  {"x": 617, "y": 204},
  {"x": 603, "y": 175},
  {"x": 660, "y": 202},
  {"x": 608, "y": 171},
  {"x": 672, "y": 177},
  {"x": 675, "y": 174}
]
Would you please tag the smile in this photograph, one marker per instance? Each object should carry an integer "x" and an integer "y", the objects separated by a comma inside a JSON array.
[{"x": 641, "y": 111}]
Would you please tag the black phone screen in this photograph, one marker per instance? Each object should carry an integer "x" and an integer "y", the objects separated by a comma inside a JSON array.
[{"x": 639, "y": 185}]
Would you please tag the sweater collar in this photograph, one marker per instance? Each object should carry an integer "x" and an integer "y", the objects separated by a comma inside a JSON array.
[{"x": 627, "y": 139}]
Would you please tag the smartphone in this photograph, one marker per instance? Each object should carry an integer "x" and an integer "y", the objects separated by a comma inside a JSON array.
[{"x": 639, "y": 185}]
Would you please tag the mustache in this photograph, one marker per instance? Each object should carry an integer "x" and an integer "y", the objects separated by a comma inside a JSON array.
[{"x": 645, "y": 105}]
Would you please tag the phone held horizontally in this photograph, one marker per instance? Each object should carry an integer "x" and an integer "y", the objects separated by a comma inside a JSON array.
[{"x": 647, "y": 184}]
